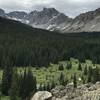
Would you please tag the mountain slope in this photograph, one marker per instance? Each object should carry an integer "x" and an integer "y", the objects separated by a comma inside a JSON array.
[
  {"x": 22, "y": 45},
  {"x": 86, "y": 22},
  {"x": 53, "y": 20},
  {"x": 48, "y": 18}
]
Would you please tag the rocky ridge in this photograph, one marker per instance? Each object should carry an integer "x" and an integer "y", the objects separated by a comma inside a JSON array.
[
  {"x": 53, "y": 20},
  {"x": 48, "y": 18}
]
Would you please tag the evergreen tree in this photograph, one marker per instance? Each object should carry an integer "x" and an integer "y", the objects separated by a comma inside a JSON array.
[
  {"x": 62, "y": 79},
  {"x": 61, "y": 67},
  {"x": 75, "y": 81},
  {"x": 53, "y": 85},
  {"x": 28, "y": 84},
  {"x": 90, "y": 72},
  {"x": 96, "y": 75},
  {"x": 40, "y": 87},
  {"x": 83, "y": 79},
  {"x": 80, "y": 67},
  {"x": 14, "y": 90},
  {"x": 44, "y": 87},
  {"x": 69, "y": 65},
  {"x": 48, "y": 87},
  {"x": 6, "y": 80},
  {"x": 85, "y": 70}
]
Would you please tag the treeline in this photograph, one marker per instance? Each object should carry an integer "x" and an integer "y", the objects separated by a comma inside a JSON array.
[{"x": 21, "y": 45}]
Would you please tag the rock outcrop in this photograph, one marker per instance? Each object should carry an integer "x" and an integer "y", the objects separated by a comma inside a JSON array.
[
  {"x": 42, "y": 95},
  {"x": 83, "y": 92}
]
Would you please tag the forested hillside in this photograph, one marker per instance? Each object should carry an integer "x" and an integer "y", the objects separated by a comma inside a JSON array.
[{"x": 22, "y": 45}]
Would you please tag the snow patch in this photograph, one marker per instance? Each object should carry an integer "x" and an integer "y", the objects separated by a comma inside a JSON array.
[{"x": 93, "y": 26}]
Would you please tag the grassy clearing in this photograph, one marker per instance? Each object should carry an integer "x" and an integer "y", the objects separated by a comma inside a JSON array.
[
  {"x": 4, "y": 98},
  {"x": 47, "y": 75}
]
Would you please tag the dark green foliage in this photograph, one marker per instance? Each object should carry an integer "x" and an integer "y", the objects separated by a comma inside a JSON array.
[
  {"x": 6, "y": 80},
  {"x": 90, "y": 73},
  {"x": 40, "y": 87},
  {"x": 93, "y": 74},
  {"x": 75, "y": 81},
  {"x": 61, "y": 67},
  {"x": 83, "y": 79},
  {"x": 45, "y": 87},
  {"x": 69, "y": 65},
  {"x": 85, "y": 70},
  {"x": 14, "y": 90},
  {"x": 27, "y": 84},
  {"x": 48, "y": 87},
  {"x": 80, "y": 67},
  {"x": 96, "y": 75},
  {"x": 26, "y": 46},
  {"x": 53, "y": 85},
  {"x": 62, "y": 80}
]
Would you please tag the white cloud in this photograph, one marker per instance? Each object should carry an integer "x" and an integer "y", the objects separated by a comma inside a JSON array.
[{"x": 69, "y": 7}]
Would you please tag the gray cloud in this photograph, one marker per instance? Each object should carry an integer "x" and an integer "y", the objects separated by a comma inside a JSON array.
[{"x": 69, "y": 7}]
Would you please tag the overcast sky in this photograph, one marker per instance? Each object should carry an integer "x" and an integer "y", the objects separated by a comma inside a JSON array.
[{"x": 69, "y": 7}]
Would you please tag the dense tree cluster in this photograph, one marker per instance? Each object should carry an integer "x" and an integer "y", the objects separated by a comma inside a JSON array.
[
  {"x": 21, "y": 45},
  {"x": 19, "y": 86},
  {"x": 93, "y": 74}
]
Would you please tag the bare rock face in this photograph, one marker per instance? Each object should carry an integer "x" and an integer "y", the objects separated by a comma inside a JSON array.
[
  {"x": 83, "y": 92},
  {"x": 86, "y": 22},
  {"x": 53, "y": 20},
  {"x": 2, "y": 12},
  {"x": 42, "y": 95},
  {"x": 48, "y": 18}
]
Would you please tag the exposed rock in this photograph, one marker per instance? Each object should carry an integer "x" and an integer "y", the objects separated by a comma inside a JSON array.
[
  {"x": 2, "y": 12},
  {"x": 42, "y": 95},
  {"x": 53, "y": 20},
  {"x": 83, "y": 92},
  {"x": 86, "y": 22},
  {"x": 48, "y": 18}
]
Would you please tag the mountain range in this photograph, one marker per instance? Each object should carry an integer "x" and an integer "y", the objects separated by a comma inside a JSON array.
[{"x": 51, "y": 19}]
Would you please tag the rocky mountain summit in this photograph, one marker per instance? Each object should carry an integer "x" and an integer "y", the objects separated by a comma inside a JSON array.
[
  {"x": 53, "y": 20},
  {"x": 84, "y": 92},
  {"x": 48, "y": 18}
]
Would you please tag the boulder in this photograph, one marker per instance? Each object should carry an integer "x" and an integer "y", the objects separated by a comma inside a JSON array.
[{"x": 42, "y": 95}]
